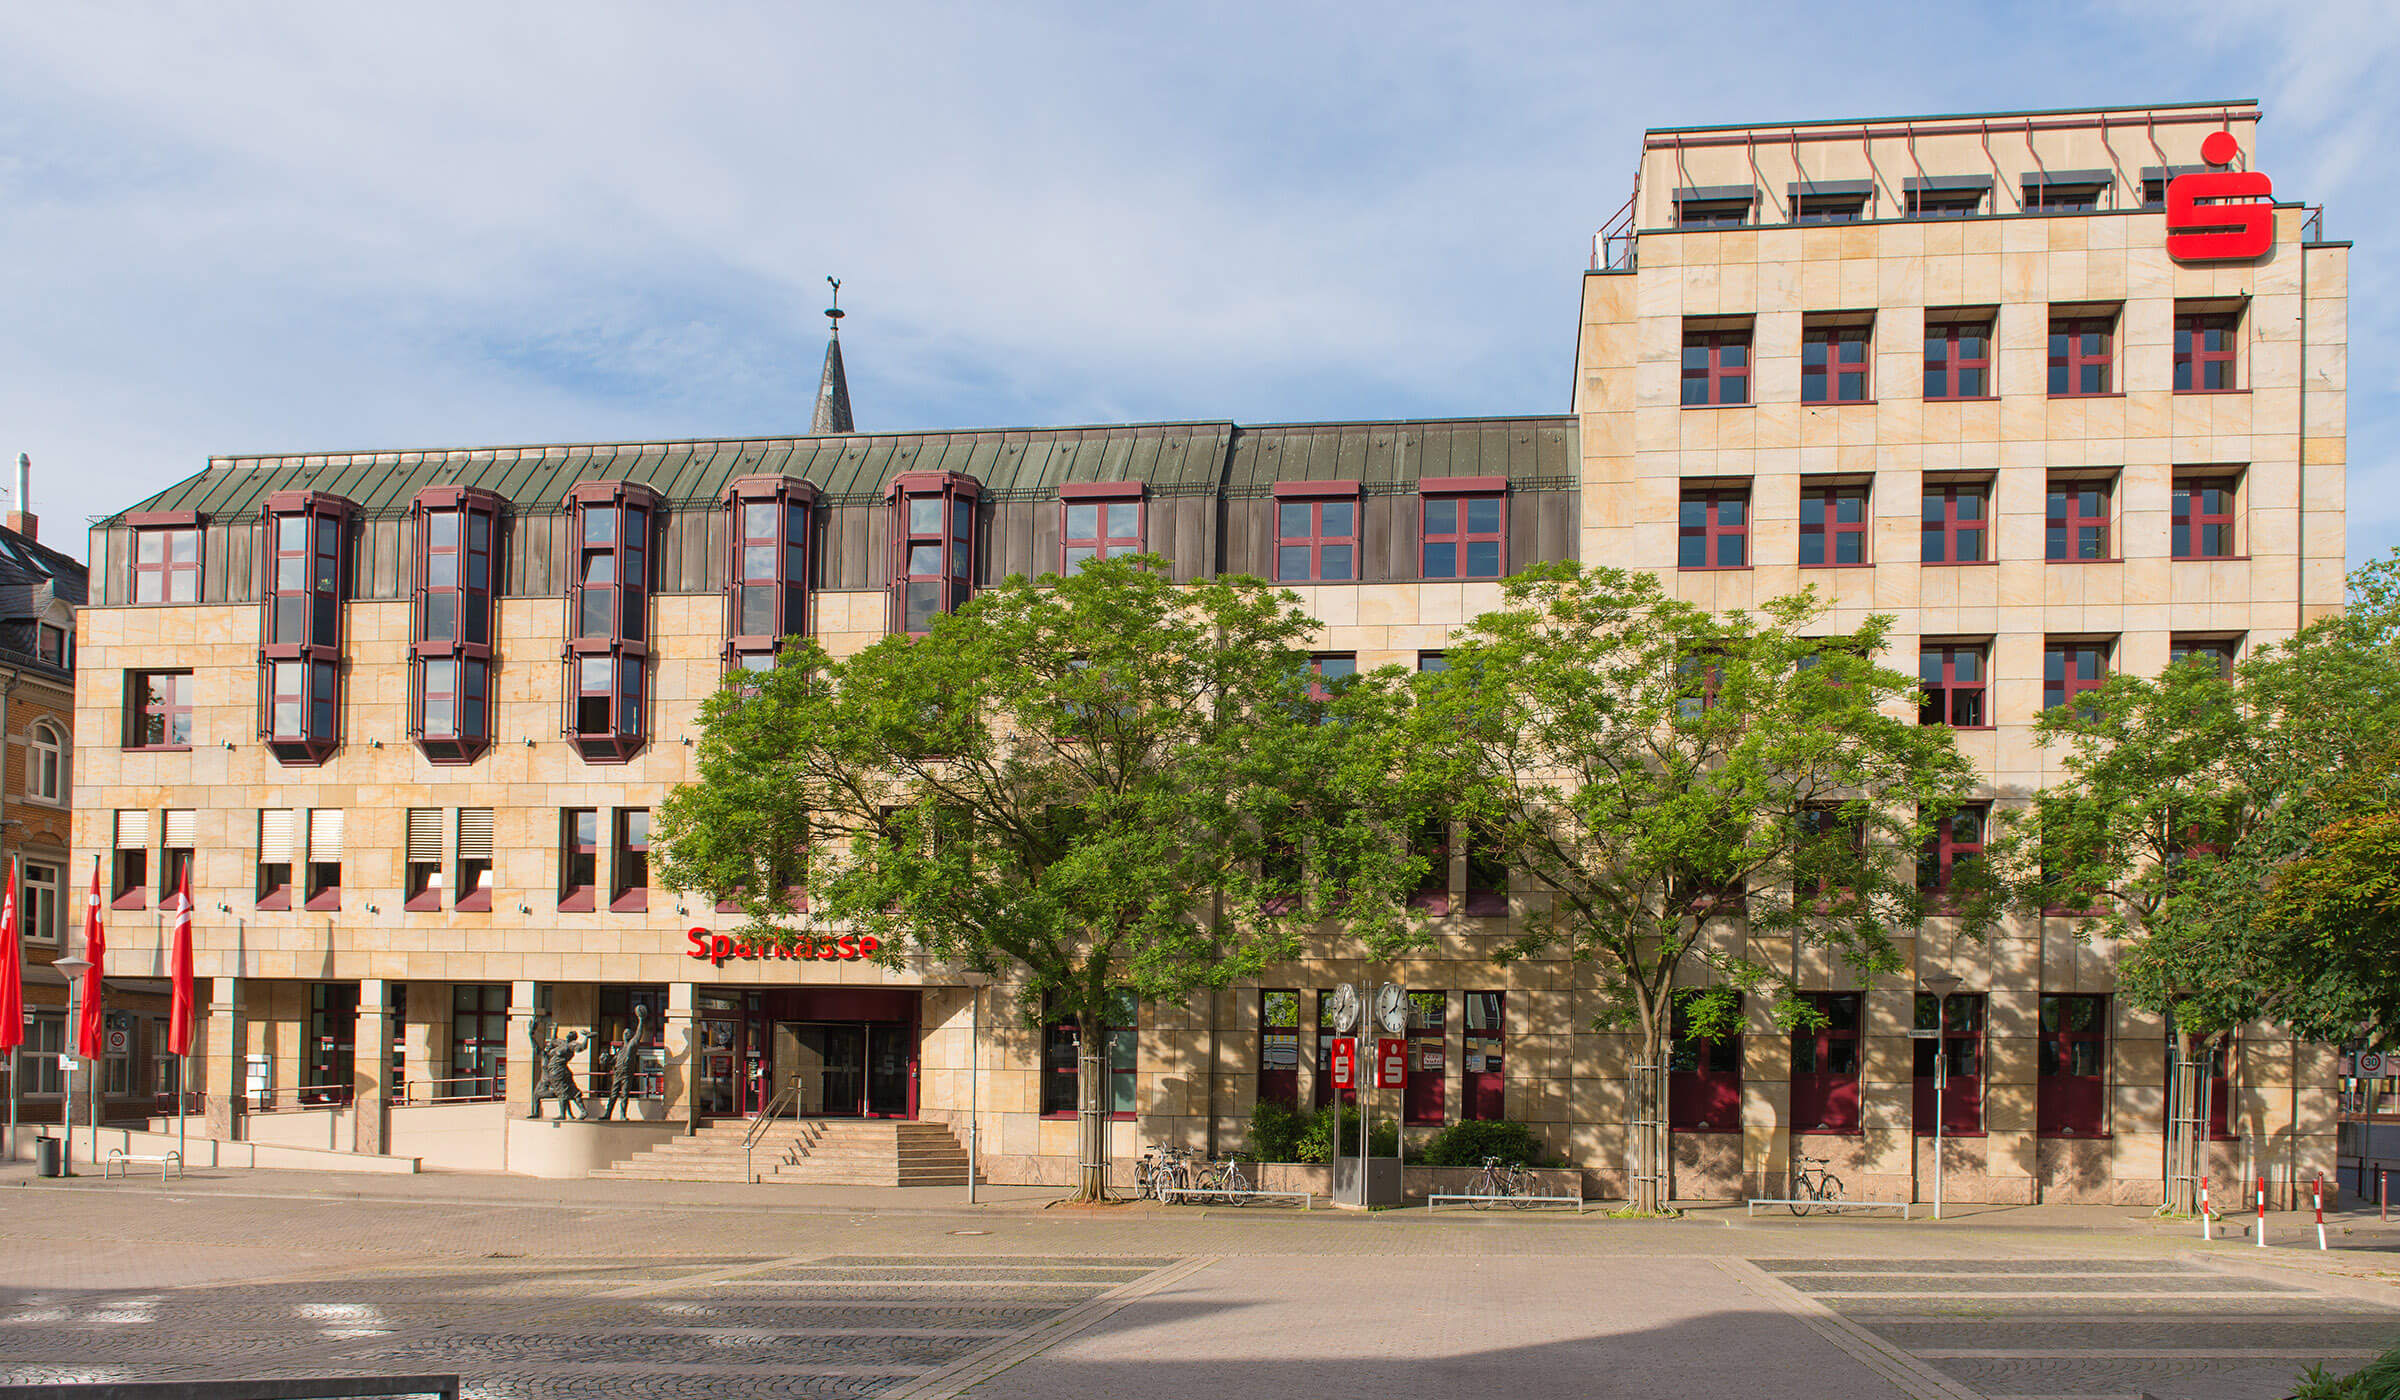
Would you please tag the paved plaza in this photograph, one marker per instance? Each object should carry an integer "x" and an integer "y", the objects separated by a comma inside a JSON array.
[{"x": 537, "y": 1289}]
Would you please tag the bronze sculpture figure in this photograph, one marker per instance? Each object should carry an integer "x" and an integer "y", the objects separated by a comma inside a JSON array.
[
  {"x": 621, "y": 1062},
  {"x": 554, "y": 1072}
]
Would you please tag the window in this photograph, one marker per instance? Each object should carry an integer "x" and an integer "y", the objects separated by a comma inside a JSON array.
[
  {"x": 2067, "y": 191},
  {"x": 614, "y": 1024},
  {"x": 158, "y": 709},
  {"x": 45, "y": 762},
  {"x": 2205, "y": 343},
  {"x": 332, "y": 1069},
  {"x": 45, "y": 1046},
  {"x": 1958, "y": 358},
  {"x": 1831, "y": 841},
  {"x": 1830, "y": 202},
  {"x": 1722, "y": 206},
  {"x": 1483, "y": 1080},
  {"x": 2070, "y": 1092},
  {"x": 1833, "y": 526},
  {"x": 2219, "y": 652},
  {"x": 1326, "y": 1035},
  {"x": 1487, "y": 876},
  {"x": 1424, "y": 1100},
  {"x": 278, "y": 832},
  {"x": 451, "y": 652},
  {"x": 1432, "y": 845},
  {"x": 2078, "y": 514},
  {"x": 325, "y": 858},
  {"x": 130, "y": 886},
  {"x": 1833, "y": 363},
  {"x": 474, "y": 860},
  {"x": 1279, "y": 1047},
  {"x": 608, "y": 610},
  {"x": 1704, "y": 1079},
  {"x": 478, "y": 1041},
  {"x": 1952, "y": 849},
  {"x": 301, "y": 536},
  {"x": 1698, "y": 678},
  {"x": 422, "y": 858},
  {"x": 1957, "y": 514},
  {"x": 43, "y": 904},
  {"x": 1464, "y": 536},
  {"x": 630, "y": 893},
  {"x": 608, "y": 705},
  {"x": 182, "y": 838},
  {"x": 1953, "y": 676},
  {"x": 1433, "y": 661},
  {"x": 2070, "y": 669},
  {"x": 2155, "y": 179},
  {"x": 1119, "y": 1050},
  {"x": 2082, "y": 354},
  {"x": 117, "y": 1061},
  {"x": 1328, "y": 673},
  {"x": 579, "y": 859},
  {"x": 1317, "y": 540},
  {"x": 1714, "y": 529},
  {"x": 1825, "y": 1067},
  {"x": 1959, "y": 1019},
  {"x": 933, "y": 546},
  {"x": 1099, "y": 521},
  {"x": 166, "y": 563},
  {"x": 767, "y": 571},
  {"x": 2202, "y": 523},
  {"x": 1716, "y": 367},
  {"x": 50, "y": 644},
  {"x": 1953, "y": 197}
]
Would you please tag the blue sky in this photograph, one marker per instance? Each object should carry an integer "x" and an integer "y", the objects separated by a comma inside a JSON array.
[{"x": 329, "y": 227}]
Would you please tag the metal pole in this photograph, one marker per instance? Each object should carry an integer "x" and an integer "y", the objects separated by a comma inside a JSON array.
[
  {"x": 1941, "y": 1085},
  {"x": 974, "y": 1084},
  {"x": 183, "y": 1102},
  {"x": 66, "y": 1100}
]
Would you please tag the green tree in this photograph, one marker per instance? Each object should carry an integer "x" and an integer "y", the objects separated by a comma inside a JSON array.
[
  {"x": 1096, "y": 784},
  {"x": 1653, "y": 767}
]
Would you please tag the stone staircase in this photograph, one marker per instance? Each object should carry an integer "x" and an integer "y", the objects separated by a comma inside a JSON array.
[{"x": 807, "y": 1152}]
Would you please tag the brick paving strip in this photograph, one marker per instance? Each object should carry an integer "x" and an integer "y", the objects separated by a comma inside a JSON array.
[
  {"x": 957, "y": 1377},
  {"x": 1891, "y": 1363}
]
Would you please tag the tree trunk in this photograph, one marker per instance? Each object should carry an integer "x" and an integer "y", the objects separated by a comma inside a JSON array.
[
  {"x": 1091, "y": 1119},
  {"x": 1648, "y": 1138},
  {"x": 2187, "y": 1141}
]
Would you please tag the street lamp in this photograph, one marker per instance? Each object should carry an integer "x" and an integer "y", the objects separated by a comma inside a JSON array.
[
  {"x": 1941, "y": 984},
  {"x": 975, "y": 983},
  {"x": 72, "y": 968}
]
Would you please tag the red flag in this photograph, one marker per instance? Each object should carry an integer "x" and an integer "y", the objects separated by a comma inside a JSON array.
[
  {"x": 12, "y": 987},
  {"x": 179, "y": 968},
  {"x": 89, "y": 1041}
]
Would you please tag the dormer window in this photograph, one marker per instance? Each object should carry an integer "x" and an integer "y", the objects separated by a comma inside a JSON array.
[
  {"x": 609, "y": 526},
  {"x": 933, "y": 546},
  {"x": 766, "y": 591},
  {"x": 458, "y": 530},
  {"x": 166, "y": 557},
  {"x": 303, "y": 536}
]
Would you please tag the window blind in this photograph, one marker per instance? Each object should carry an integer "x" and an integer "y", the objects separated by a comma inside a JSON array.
[
  {"x": 474, "y": 833},
  {"x": 325, "y": 835},
  {"x": 133, "y": 831},
  {"x": 183, "y": 828},
  {"x": 424, "y": 835},
  {"x": 276, "y": 829}
]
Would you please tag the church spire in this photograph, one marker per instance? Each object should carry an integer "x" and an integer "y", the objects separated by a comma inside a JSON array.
[{"x": 833, "y": 390}]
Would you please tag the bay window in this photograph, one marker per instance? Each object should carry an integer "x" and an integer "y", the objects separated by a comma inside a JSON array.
[
  {"x": 767, "y": 569},
  {"x": 933, "y": 516},
  {"x": 450, "y": 669},
  {"x": 301, "y": 537},
  {"x": 608, "y": 608}
]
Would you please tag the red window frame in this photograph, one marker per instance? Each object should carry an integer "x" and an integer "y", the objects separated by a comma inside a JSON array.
[
  {"x": 1316, "y": 532},
  {"x": 1483, "y": 1091},
  {"x": 579, "y": 859},
  {"x": 2207, "y": 344},
  {"x": 1062, "y": 1048},
  {"x": 303, "y": 538},
  {"x": 1100, "y": 520},
  {"x": 324, "y": 884},
  {"x": 1820, "y": 820},
  {"x": 1825, "y": 1064},
  {"x": 1432, "y": 894},
  {"x": 450, "y": 661},
  {"x": 1835, "y": 364},
  {"x": 1329, "y": 666},
  {"x": 1487, "y": 877},
  {"x": 166, "y": 557},
  {"x": 159, "y": 701},
  {"x": 129, "y": 868},
  {"x": 1425, "y": 1101},
  {"x": 611, "y": 526},
  {"x": 2202, "y": 522},
  {"x": 1956, "y": 679},
  {"x": 1957, "y": 522},
  {"x": 768, "y": 523},
  {"x": 1704, "y": 1081},
  {"x": 274, "y": 886},
  {"x": 1960, "y": 1028},
  {"x": 934, "y": 527},
  {"x": 1716, "y": 368},
  {"x": 2071, "y": 1088},
  {"x": 1279, "y": 1046},
  {"x": 1326, "y": 1035},
  {"x": 2076, "y": 363},
  {"x": 1833, "y": 527},
  {"x": 1952, "y": 373},
  {"x": 421, "y": 878},
  {"x": 474, "y": 894},
  {"x": 1703, "y": 517},
  {"x": 629, "y": 883},
  {"x": 1957, "y": 839},
  {"x": 2077, "y": 528},
  {"x": 2070, "y": 669},
  {"x": 1462, "y": 528},
  {"x": 2224, "y": 650}
]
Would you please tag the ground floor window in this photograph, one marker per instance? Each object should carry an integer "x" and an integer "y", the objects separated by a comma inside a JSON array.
[
  {"x": 2071, "y": 1095},
  {"x": 1825, "y": 1066},
  {"x": 478, "y": 1040},
  {"x": 1062, "y": 1048},
  {"x": 1960, "y": 1023},
  {"x": 1482, "y": 1078},
  {"x": 1279, "y": 1047},
  {"x": 617, "y": 1007},
  {"x": 1428, "y": 1067},
  {"x": 332, "y": 1043},
  {"x": 117, "y": 1062},
  {"x": 1704, "y": 1079},
  {"x": 37, "y": 1058},
  {"x": 399, "y": 992},
  {"x": 1326, "y": 1035}
]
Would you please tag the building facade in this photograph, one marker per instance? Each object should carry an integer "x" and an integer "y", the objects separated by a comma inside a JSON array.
[{"x": 404, "y": 715}]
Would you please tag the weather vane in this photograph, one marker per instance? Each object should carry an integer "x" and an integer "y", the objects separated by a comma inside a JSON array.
[{"x": 833, "y": 313}]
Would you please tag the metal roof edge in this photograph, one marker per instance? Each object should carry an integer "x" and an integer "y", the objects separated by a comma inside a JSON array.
[
  {"x": 247, "y": 460},
  {"x": 2250, "y": 102}
]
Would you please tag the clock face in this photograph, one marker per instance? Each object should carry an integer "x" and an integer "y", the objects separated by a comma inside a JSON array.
[
  {"x": 1391, "y": 1008},
  {"x": 1345, "y": 1008}
]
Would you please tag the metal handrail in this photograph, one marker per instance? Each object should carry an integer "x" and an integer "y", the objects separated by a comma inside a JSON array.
[
  {"x": 784, "y": 1097},
  {"x": 297, "y": 1096},
  {"x": 420, "y": 1091},
  {"x": 275, "y": 1388}
]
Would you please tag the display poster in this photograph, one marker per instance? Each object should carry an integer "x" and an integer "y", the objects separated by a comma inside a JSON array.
[
  {"x": 1391, "y": 1063},
  {"x": 1345, "y": 1062}
]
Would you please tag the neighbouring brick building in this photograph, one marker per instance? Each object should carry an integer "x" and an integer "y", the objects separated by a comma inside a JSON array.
[{"x": 406, "y": 713}]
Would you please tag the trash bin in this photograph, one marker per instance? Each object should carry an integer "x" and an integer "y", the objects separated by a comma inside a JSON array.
[{"x": 45, "y": 1156}]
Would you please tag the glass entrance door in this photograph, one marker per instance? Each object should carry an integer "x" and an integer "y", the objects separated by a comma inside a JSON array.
[
  {"x": 889, "y": 1067},
  {"x": 829, "y": 1064}
]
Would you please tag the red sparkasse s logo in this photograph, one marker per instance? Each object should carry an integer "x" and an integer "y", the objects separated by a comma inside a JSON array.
[{"x": 2229, "y": 232}]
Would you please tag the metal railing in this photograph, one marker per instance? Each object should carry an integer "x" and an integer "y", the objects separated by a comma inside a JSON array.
[
  {"x": 479, "y": 1088},
  {"x": 785, "y": 1097},
  {"x": 278, "y": 1388},
  {"x": 1613, "y": 245},
  {"x": 303, "y": 1096}
]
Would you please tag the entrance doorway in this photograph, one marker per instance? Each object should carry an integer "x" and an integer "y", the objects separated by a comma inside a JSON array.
[
  {"x": 845, "y": 1070},
  {"x": 845, "y": 1052}
]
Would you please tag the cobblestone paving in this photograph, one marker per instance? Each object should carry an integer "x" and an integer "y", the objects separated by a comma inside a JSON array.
[
  {"x": 833, "y": 1326},
  {"x": 2097, "y": 1329}
]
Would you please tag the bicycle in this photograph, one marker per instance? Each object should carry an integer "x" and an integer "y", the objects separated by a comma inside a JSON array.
[
  {"x": 1225, "y": 1182},
  {"x": 1496, "y": 1180},
  {"x": 1162, "y": 1170},
  {"x": 1813, "y": 1188}
]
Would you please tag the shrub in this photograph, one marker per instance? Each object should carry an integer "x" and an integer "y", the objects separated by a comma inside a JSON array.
[
  {"x": 1275, "y": 1131},
  {"x": 1316, "y": 1144},
  {"x": 2378, "y": 1380},
  {"x": 1467, "y": 1144}
]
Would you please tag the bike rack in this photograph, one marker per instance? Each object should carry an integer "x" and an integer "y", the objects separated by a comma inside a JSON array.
[
  {"x": 1830, "y": 1206},
  {"x": 1576, "y": 1201},
  {"x": 1169, "y": 1194}
]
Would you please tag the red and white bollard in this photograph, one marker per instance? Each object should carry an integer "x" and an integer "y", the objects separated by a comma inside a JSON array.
[
  {"x": 2320, "y": 1192},
  {"x": 2206, "y": 1220},
  {"x": 2262, "y": 1212}
]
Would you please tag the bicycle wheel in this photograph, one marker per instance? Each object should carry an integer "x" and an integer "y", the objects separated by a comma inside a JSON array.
[
  {"x": 1520, "y": 1186},
  {"x": 1803, "y": 1191},
  {"x": 1236, "y": 1184},
  {"x": 1487, "y": 1184},
  {"x": 1829, "y": 1192}
]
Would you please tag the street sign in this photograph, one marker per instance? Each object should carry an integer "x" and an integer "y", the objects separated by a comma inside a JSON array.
[
  {"x": 2368, "y": 1064},
  {"x": 119, "y": 1040},
  {"x": 1345, "y": 1062},
  {"x": 1391, "y": 1062}
]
